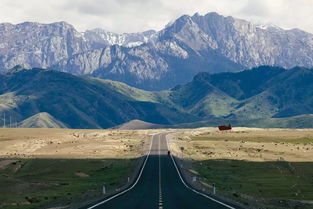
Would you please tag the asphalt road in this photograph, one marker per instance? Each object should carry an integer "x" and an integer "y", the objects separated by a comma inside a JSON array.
[{"x": 159, "y": 186}]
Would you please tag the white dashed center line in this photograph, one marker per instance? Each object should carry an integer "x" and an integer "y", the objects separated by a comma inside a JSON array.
[{"x": 160, "y": 180}]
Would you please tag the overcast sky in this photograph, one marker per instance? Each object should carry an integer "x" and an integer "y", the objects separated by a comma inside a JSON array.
[{"x": 140, "y": 15}]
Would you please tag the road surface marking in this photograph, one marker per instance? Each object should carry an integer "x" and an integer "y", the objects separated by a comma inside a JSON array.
[
  {"x": 160, "y": 178},
  {"x": 119, "y": 194},
  {"x": 199, "y": 193}
]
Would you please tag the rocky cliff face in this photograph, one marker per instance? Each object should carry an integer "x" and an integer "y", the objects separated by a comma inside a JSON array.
[
  {"x": 155, "y": 60},
  {"x": 38, "y": 45},
  {"x": 100, "y": 38},
  {"x": 251, "y": 45}
]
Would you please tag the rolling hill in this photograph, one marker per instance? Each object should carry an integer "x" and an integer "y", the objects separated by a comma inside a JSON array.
[
  {"x": 79, "y": 102},
  {"x": 41, "y": 120},
  {"x": 260, "y": 96}
]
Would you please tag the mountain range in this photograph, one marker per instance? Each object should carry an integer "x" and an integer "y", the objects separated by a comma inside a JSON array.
[
  {"x": 155, "y": 60},
  {"x": 260, "y": 96}
]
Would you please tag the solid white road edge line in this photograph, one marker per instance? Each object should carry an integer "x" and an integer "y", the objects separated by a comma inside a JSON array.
[
  {"x": 119, "y": 194},
  {"x": 199, "y": 193},
  {"x": 160, "y": 177}
]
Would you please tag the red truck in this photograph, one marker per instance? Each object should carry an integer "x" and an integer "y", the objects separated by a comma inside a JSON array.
[{"x": 224, "y": 127}]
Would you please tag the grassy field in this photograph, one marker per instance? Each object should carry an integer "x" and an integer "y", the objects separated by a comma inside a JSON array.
[
  {"x": 273, "y": 183},
  {"x": 46, "y": 168},
  {"x": 42, "y": 183},
  {"x": 261, "y": 168}
]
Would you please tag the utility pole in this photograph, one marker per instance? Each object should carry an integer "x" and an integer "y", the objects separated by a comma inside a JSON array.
[
  {"x": 10, "y": 122},
  {"x": 4, "y": 120}
]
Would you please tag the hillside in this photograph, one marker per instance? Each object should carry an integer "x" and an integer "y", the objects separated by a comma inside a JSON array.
[
  {"x": 262, "y": 92},
  {"x": 79, "y": 102},
  {"x": 138, "y": 124},
  {"x": 300, "y": 121},
  {"x": 262, "y": 97},
  {"x": 41, "y": 120}
]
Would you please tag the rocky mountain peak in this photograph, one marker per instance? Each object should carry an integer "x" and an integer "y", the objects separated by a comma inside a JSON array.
[
  {"x": 155, "y": 60},
  {"x": 100, "y": 38}
]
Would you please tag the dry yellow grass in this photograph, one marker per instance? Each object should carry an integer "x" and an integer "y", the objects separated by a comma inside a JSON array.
[
  {"x": 242, "y": 147},
  {"x": 251, "y": 166},
  {"x": 71, "y": 159},
  {"x": 74, "y": 144},
  {"x": 251, "y": 144}
]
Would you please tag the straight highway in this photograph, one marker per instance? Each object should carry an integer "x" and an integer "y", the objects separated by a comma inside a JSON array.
[{"x": 160, "y": 186}]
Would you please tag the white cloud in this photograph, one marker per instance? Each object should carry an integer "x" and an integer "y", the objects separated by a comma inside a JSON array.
[{"x": 140, "y": 15}]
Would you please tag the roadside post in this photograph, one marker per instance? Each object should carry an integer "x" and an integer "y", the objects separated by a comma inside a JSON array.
[
  {"x": 182, "y": 151},
  {"x": 103, "y": 189},
  {"x": 214, "y": 189}
]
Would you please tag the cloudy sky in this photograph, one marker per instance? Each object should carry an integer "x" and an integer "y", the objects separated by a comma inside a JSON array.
[{"x": 140, "y": 15}]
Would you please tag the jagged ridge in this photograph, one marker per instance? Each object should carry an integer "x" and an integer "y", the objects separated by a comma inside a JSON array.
[{"x": 155, "y": 60}]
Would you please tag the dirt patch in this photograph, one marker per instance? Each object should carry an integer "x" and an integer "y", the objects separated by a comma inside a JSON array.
[
  {"x": 5, "y": 163},
  {"x": 80, "y": 174}
]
